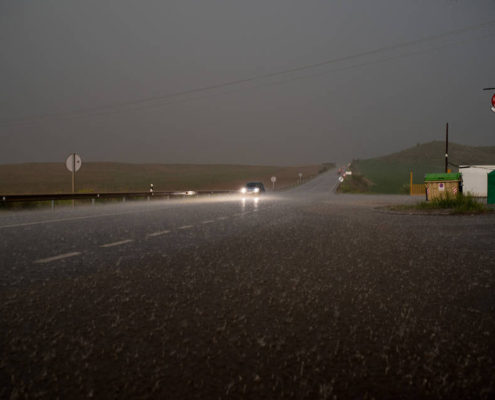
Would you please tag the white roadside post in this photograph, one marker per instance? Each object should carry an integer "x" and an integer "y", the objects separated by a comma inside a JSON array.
[
  {"x": 273, "y": 179},
  {"x": 73, "y": 164},
  {"x": 300, "y": 177}
]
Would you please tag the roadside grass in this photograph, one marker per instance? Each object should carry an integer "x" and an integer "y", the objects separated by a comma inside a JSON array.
[
  {"x": 459, "y": 204},
  {"x": 392, "y": 177}
]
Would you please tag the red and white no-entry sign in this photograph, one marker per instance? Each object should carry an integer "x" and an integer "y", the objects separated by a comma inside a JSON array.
[{"x": 493, "y": 103}]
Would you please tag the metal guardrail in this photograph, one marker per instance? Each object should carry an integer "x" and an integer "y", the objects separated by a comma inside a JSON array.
[{"x": 12, "y": 198}]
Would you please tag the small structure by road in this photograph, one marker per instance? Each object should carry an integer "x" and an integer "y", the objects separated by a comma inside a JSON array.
[
  {"x": 475, "y": 179},
  {"x": 440, "y": 185}
]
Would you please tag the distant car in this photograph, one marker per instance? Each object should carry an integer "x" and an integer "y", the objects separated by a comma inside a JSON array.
[{"x": 253, "y": 188}]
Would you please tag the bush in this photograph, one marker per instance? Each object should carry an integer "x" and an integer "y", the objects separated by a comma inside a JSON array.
[
  {"x": 459, "y": 203},
  {"x": 405, "y": 189}
]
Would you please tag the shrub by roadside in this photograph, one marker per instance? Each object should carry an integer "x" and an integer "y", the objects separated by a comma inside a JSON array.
[
  {"x": 355, "y": 183},
  {"x": 459, "y": 204}
]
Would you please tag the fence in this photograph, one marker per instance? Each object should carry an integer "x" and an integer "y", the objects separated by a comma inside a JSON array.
[{"x": 416, "y": 189}]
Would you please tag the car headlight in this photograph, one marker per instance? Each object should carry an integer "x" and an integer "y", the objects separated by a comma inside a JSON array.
[
  {"x": 256, "y": 190},
  {"x": 243, "y": 190}
]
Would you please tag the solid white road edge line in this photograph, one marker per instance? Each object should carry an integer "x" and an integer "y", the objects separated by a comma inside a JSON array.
[
  {"x": 117, "y": 243},
  {"x": 50, "y": 221},
  {"x": 59, "y": 257},
  {"x": 157, "y": 233}
]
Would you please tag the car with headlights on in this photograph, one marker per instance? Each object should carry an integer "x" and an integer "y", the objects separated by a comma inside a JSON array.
[{"x": 255, "y": 188}]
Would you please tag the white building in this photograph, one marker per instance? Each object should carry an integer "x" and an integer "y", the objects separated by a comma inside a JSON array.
[{"x": 475, "y": 180}]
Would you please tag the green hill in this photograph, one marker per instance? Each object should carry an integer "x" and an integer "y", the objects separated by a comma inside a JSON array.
[
  {"x": 390, "y": 173},
  {"x": 120, "y": 177}
]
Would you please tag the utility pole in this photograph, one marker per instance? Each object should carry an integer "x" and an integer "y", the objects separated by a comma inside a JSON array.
[{"x": 446, "y": 147}]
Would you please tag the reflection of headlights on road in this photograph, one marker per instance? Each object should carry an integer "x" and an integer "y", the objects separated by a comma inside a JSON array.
[
  {"x": 256, "y": 199},
  {"x": 243, "y": 190},
  {"x": 190, "y": 193},
  {"x": 256, "y": 190}
]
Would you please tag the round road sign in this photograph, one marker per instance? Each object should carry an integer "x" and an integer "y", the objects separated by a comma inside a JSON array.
[
  {"x": 70, "y": 162},
  {"x": 273, "y": 179},
  {"x": 493, "y": 103}
]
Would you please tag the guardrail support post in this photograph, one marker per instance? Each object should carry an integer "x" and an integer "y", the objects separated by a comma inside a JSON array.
[
  {"x": 53, "y": 204},
  {"x": 92, "y": 202}
]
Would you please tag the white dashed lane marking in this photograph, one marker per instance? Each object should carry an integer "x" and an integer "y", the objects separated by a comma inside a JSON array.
[
  {"x": 117, "y": 243},
  {"x": 208, "y": 221},
  {"x": 55, "y": 258},
  {"x": 221, "y": 218},
  {"x": 159, "y": 233},
  {"x": 185, "y": 227},
  {"x": 50, "y": 221}
]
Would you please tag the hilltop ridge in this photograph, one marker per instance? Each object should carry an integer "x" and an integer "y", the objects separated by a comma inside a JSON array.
[
  {"x": 390, "y": 173},
  {"x": 434, "y": 152}
]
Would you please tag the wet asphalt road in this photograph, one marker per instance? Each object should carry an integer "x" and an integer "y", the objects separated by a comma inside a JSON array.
[{"x": 306, "y": 294}]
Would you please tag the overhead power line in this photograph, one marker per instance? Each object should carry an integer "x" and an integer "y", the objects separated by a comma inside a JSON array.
[{"x": 109, "y": 108}]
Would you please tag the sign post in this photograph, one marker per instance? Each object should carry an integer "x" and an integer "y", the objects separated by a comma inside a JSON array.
[
  {"x": 446, "y": 147},
  {"x": 300, "y": 177},
  {"x": 73, "y": 164},
  {"x": 273, "y": 179}
]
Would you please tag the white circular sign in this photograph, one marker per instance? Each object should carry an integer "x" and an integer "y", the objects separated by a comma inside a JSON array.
[
  {"x": 274, "y": 179},
  {"x": 341, "y": 179},
  {"x": 69, "y": 163},
  {"x": 300, "y": 174}
]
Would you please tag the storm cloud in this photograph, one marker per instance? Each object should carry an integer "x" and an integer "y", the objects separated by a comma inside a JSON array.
[{"x": 249, "y": 82}]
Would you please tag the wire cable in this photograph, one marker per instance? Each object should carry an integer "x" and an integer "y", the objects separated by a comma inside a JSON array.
[{"x": 115, "y": 107}]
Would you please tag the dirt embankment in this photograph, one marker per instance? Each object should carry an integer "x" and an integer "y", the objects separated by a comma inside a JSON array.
[{"x": 355, "y": 183}]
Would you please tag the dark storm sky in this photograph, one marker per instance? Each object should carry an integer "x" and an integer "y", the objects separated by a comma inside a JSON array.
[{"x": 104, "y": 79}]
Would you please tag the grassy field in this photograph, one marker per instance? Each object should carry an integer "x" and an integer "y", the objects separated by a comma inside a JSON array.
[
  {"x": 390, "y": 174},
  {"x": 120, "y": 177}
]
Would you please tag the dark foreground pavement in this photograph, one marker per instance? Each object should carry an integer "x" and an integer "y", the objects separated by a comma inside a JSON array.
[{"x": 316, "y": 296}]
